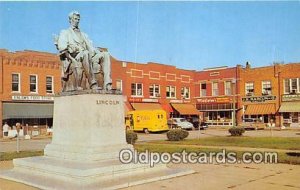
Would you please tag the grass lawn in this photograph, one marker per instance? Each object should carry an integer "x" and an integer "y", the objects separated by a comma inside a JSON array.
[
  {"x": 160, "y": 148},
  {"x": 22, "y": 154},
  {"x": 288, "y": 143}
]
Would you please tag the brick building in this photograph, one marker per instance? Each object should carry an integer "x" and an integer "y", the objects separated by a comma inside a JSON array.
[
  {"x": 28, "y": 82},
  {"x": 270, "y": 93},
  {"x": 259, "y": 91},
  {"x": 289, "y": 86},
  {"x": 215, "y": 95},
  {"x": 155, "y": 86},
  {"x": 30, "y": 79}
]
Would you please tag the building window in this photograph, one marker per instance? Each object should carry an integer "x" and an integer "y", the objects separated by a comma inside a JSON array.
[
  {"x": 33, "y": 83},
  {"x": 203, "y": 89},
  {"x": 266, "y": 88},
  {"x": 119, "y": 85},
  {"x": 249, "y": 89},
  {"x": 171, "y": 91},
  {"x": 49, "y": 84},
  {"x": 292, "y": 86},
  {"x": 215, "y": 89},
  {"x": 15, "y": 83},
  {"x": 228, "y": 88},
  {"x": 185, "y": 93},
  {"x": 154, "y": 90},
  {"x": 136, "y": 89},
  {"x": 287, "y": 86}
]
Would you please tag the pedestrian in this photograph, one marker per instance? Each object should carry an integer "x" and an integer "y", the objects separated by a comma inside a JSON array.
[{"x": 5, "y": 129}]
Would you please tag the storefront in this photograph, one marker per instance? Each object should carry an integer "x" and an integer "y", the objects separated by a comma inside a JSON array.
[
  {"x": 259, "y": 108},
  {"x": 31, "y": 113},
  {"x": 217, "y": 111},
  {"x": 290, "y": 110}
]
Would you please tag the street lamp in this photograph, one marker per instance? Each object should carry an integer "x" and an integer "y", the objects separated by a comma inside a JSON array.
[{"x": 233, "y": 101}]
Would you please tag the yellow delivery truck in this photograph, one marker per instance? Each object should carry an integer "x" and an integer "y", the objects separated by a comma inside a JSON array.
[{"x": 147, "y": 120}]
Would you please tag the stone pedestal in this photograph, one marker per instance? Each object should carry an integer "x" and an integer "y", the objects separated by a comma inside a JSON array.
[{"x": 88, "y": 134}]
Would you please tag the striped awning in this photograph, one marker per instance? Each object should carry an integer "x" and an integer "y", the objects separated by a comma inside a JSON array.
[
  {"x": 27, "y": 110},
  {"x": 260, "y": 109},
  {"x": 290, "y": 107},
  {"x": 186, "y": 109},
  {"x": 146, "y": 106}
]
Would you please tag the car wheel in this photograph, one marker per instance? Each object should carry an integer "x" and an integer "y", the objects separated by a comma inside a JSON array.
[{"x": 146, "y": 131}]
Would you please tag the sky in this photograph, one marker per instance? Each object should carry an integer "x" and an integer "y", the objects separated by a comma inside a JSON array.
[{"x": 190, "y": 35}]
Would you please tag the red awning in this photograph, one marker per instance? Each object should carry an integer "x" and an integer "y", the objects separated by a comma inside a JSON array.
[
  {"x": 260, "y": 109},
  {"x": 186, "y": 109},
  {"x": 146, "y": 106}
]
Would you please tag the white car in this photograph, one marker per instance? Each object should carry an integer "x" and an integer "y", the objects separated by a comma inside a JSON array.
[{"x": 179, "y": 123}]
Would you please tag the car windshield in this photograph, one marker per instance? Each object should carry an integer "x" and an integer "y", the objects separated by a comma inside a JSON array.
[{"x": 182, "y": 120}]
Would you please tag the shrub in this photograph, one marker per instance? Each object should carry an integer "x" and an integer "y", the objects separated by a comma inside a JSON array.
[
  {"x": 131, "y": 137},
  {"x": 236, "y": 131},
  {"x": 177, "y": 134}
]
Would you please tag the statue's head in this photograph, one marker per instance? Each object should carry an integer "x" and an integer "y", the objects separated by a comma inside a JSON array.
[{"x": 74, "y": 18}]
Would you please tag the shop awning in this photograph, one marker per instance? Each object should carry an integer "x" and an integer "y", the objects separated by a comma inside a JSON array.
[
  {"x": 146, "y": 106},
  {"x": 290, "y": 107},
  {"x": 27, "y": 110},
  {"x": 185, "y": 109},
  {"x": 260, "y": 109}
]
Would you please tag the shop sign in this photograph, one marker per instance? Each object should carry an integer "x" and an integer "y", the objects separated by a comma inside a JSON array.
[
  {"x": 32, "y": 98},
  {"x": 290, "y": 97},
  {"x": 214, "y": 100},
  {"x": 258, "y": 98},
  {"x": 143, "y": 100},
  {"x": 180, "y": 101}
]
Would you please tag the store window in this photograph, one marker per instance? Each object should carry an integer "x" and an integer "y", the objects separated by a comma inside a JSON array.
[
  {"x": 185, "y": 92},
  {"x": 15, "y": 83},
  {"x": 170, "y": 91},
  {"x": 215, "y": 89},
  {"x": 203, "y": 89},
  {"x": 119, "y": 85},
  {"x": 154, "y": 90},
  {"x": 33, "y": 83},
  {"x": 136, "y": 89},
  {"x": 228, "y": 88},
  {"x": 49, "y": 84},
  {"x": 266, "y": 88},
  {"x": 249, "y": 87}
]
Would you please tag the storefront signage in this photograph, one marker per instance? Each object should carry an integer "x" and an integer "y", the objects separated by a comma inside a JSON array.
[
  {"x": 32, "y": 98},
  {"x": 143, "y": 100},
  {"x": 258, "y": 98},
  {"x": 180, "y": 101},
  {"x": 290, "y": 97},
  {"x": 214, "y": 100}
]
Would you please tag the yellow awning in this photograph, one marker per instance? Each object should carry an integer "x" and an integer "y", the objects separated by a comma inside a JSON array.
[
  {"x": 290, "y": 107},
  {"x": 185, "y": 109},
  {"x": 146, "y": 106},
  {"x": 260, "y": 109}
]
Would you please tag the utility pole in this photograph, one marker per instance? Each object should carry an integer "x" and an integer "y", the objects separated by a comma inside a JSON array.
[{"x": 233, "y": 102}]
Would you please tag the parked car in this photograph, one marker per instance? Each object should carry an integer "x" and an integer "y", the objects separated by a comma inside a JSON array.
[
  {"x": 252, "y": 124},
  {"x": 203, "y": 125},
  {"x": 179, "y": 123}
]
